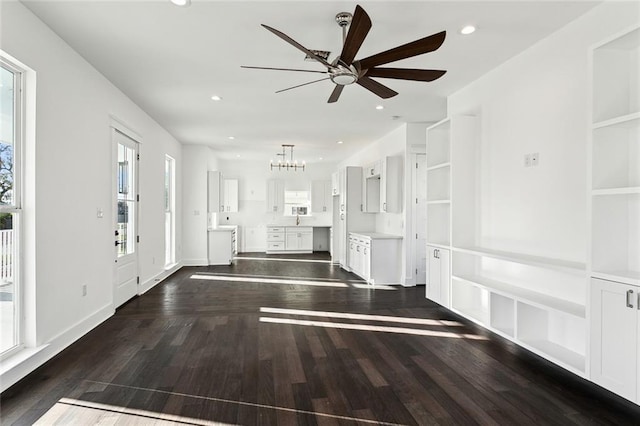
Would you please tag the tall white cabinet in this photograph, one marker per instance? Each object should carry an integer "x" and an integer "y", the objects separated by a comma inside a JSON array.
[
  {"x": 321, "y": 196},
  {"x": 614, "y": 170},
  {"x": 275, "y": 196}
]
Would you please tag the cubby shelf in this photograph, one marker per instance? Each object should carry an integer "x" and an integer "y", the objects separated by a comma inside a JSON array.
[
  {"x": 439, "y": 202},
  {"x": 523, "y": 294},
  {"x": 438, "y": 245},
  {"x": 525, "y": 259},
  {"x": 569, "y": 359}
]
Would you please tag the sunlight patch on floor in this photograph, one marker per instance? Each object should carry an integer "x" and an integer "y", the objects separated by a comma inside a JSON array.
[
  {"x": 268, "y": 280},
  {"x": 363, "y": 317},
  {"x": 379, "y": 328},
  {"x": 75, "y": 411}
]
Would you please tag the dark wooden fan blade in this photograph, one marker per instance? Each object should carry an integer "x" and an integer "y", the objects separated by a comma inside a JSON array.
[
  {"x": 335, "y": 94},
  {"x": 406, "y": 73},
  {"x": 297, "y": 45},
  {"x": 358, "y": 30},
  {"x": 283, "y": 69},
  {"x": 303, "y": 84},
  {"x": 409, "y": 50},
  {"x": 379, "y": 89}
]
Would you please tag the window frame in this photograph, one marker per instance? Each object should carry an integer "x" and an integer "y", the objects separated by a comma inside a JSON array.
[{"x": 16, "y": 208}]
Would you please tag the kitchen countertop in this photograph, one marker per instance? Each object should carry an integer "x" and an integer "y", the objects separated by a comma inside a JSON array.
[
  {"x": 376, "y": 235},
  {"x": 224, "y": 228}
]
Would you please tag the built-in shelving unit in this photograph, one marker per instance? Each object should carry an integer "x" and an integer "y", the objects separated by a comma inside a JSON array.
[
  {"x": 537, "y": 302},
  {"x": 614, "y": 201}
]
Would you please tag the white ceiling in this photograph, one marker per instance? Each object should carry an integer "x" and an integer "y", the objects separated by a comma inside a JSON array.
[{"x": 171, "y": 60}]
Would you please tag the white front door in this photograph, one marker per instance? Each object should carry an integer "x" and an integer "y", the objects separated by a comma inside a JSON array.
[
  {"x": 420, "y": 215},
  {"x": 126, "y": 217}
]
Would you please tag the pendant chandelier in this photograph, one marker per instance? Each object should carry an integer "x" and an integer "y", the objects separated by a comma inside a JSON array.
[{"x": 287, "y": 164}]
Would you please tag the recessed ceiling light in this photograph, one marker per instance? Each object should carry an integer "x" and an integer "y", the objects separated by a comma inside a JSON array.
[
  {"x": 339, "y": 142},
  {"x": 216, "y": 98},
  {"x": 320, "y": 158},
  {"x": 468, "y": 29},
  {"x": 238, "y": 155},
  {"x": 231, "y": 138},
  {"x": 183, "y": 3},
  {"x": 379, "y": 107}
]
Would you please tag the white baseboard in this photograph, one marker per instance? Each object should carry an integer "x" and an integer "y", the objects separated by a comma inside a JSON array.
[
  {"x": 153, "y": 281},
  {"x": 195, "y": 262},
  {"x": 27, "y": 360}
]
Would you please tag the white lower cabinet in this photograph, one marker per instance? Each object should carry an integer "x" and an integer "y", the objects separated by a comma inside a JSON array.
[
  {"x": 438, "y": 275},
  {"x": 289, "y": 239},
  {"x": 375, "y": 257},
  {"x": 222, "y": 246},
  {"x": 615, "y": 337}
]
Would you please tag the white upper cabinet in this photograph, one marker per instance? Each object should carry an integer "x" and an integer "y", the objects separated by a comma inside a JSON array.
[
  {"x": 391, "y": 185},
  {"x": 335, "y": 183},
  {"x": 230, "y": 195},
  {"x": 321, "y": 196},
  {"x": 215, "y": 189},
  {"x": 275, "y": 196}
]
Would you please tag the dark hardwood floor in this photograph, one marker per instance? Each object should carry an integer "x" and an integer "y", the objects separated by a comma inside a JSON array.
[{"x": 265, "y": 342}]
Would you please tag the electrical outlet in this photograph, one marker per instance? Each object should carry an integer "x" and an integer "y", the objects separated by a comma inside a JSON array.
[
  {"x": 527, "y": 160},
  {"x": 84, "y": 290},
  {"x": 535, "y": 159}
]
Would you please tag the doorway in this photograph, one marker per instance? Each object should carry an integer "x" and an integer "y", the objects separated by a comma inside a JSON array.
[{"x": 125, "y": 205}]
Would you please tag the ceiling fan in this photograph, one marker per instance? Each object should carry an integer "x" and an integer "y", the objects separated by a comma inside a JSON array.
[{"x": 344, "y": 70}]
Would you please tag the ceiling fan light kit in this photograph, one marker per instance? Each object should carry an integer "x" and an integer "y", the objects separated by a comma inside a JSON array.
[{"x": 344, "y": 70}]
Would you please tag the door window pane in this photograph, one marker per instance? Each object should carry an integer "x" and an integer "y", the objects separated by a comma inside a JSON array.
[
  {"x": 8, "y": 337},
  {"x": 126, "y": 233},
  {"x": 7, "y": 135}
]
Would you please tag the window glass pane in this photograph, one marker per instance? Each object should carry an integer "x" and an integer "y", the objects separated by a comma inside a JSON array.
[
  {"x": 8, "y": 317},
  {"x": 126, "y": 201},
  {"x": 7, "y": 135}
]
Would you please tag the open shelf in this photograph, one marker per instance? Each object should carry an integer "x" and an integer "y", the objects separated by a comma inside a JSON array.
[
  {"x": 616, "y": 191},
  {"x": 439, "y": 202},
  {"x": 438, "y": 225},
  {"x": 439, "y": 166},
  {"x": 533, "y": 297},
  {"x": 558, "y": 337},
  {"x": 502, "y": 316},
  {"x": 615, "y": 235},
  {"x": 470, "y": 300},
  {"x": 439, "y": 184},
  {"x": 624, "y": 121},
  {"x": 525, "y": 259},
  {"x": 616, "y": 91},
  {"x": 438, "y": 143},
  {"x": 616, "y": 155}
]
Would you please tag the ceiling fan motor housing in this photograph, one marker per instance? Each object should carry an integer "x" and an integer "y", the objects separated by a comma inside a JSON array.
[{"x": 343, "y": 76}]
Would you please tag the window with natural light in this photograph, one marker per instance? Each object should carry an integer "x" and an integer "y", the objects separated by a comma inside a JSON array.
[{"x": 10, "y": 205}]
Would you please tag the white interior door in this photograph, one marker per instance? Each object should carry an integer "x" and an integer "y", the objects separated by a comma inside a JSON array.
[
  {"x": 126, "y": 217},
  {"x": 420, "y": 215}
]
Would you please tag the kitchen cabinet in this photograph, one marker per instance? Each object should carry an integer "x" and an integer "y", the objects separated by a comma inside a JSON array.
[
  {"x": 321, "y": 196},
  {"x": 375, "y": 257},
  {"x": 335, "y": 183},
  {"x": 222, "y": 245},
  {"x": 391, "y": 181},
  {"x": 615, "y": 337},
  {"x": 230, "y": 200},
  {"x": 299, "y": 239},
  {"x": 215, "y": 192},
  {"x": 438, "y": 275},
  {"x": 275, "y": 196}
]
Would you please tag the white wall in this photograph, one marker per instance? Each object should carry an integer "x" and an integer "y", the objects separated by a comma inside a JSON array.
[
  {"x": 252, "y": 216},
  {"x": 538, "y": 102},
  {"x": 72, "y": 176}
]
